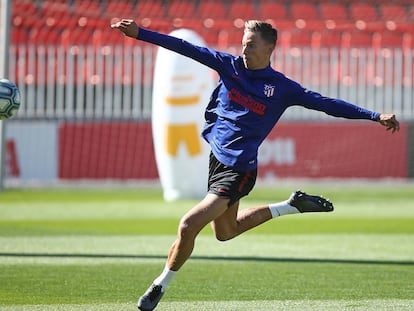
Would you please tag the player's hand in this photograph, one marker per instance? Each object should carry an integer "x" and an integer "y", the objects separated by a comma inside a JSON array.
[
  {"x": 389, "y": 120},
  {"x": 128, "y": 27}
]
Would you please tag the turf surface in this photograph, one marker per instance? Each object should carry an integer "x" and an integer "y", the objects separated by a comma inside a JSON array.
[{"x": 99, "y": 250}]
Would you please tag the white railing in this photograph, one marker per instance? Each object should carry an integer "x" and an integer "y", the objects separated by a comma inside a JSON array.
[
  {"x": 116, "y": 82},
  {"x": 378, "y": 79}
]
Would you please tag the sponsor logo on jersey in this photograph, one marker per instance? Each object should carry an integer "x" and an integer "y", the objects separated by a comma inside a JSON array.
[{"x": 247, "y": 102}]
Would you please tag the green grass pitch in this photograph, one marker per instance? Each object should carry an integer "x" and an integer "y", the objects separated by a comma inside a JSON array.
[{"x": 100, "y": 249}]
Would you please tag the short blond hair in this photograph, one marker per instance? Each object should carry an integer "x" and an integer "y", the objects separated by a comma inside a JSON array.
[{"x": 267, "y": 32}]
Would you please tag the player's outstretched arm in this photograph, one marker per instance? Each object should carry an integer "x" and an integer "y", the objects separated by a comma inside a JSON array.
[
  {"x": 390, "y": 121},
  {"x": 128, "y": 27}
]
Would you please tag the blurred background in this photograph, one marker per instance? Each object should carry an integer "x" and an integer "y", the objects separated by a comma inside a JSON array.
[{"x": 87, "y": 90}]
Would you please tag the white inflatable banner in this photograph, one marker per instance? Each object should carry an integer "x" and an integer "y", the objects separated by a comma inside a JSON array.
[{"x": 182, "y": 88}]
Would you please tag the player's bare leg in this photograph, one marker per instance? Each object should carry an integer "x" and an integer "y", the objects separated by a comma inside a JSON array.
[
  {"x": 227, "y": 223},
  {"x": 234, "y": 222},
  {"x": 190, "y": 225}
]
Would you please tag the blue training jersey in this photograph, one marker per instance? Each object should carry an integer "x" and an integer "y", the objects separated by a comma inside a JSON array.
[{"x": 246, "y": 104}]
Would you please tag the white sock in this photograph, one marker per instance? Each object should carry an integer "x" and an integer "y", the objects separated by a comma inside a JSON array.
[
  {"x": 165, "y": 278},
  {"x": 282, "y": 208}
]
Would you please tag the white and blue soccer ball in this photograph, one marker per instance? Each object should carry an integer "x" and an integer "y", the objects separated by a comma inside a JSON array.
[{"x": 9, "y": 99}]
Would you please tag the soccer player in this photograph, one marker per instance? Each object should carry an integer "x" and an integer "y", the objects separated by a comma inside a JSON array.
[{"x": 244, "y": 107}]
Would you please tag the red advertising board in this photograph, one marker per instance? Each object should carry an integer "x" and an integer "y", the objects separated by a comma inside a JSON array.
[
  {"x": 11, "y": 160},
  {"x": 100, "y": 150},
  {"x": 350, "y": 149}
]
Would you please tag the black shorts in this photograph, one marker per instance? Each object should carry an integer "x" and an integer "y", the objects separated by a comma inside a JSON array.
[{"x": 226, "y": 182}]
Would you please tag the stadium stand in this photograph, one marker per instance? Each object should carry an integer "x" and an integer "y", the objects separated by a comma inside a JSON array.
[
  {"x": 69, "y": 44},
  {"x": 214, "y": 20}
]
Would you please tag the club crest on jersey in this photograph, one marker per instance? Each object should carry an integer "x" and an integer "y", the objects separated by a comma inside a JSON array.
[{"x": 269, "y": 90}]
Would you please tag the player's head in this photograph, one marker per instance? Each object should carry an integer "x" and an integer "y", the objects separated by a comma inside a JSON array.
[{"x": 259, "y": 41}]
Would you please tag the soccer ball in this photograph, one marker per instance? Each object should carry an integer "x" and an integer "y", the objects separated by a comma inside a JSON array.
[{"x": 9, "y": 99}]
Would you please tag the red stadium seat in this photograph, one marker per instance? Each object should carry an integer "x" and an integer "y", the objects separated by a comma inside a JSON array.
[
  {"x": 404, "y": 27},
  {"x": 158, "y": 24},
  {"x": 214, "y": 14},
  {"x": 44, "y": 36},
  {"x": 27, "y": 22},
  {"x": 357, "y": 39},
  {"x": 210, "y": 36},
  {"x": 54, "y": 9},
  {"x": 330, "y": 38},
  {"x": 244, "y": 10},
  {"x": 181, "y": 9},
  {"x": 273, "y": 10},
  {"x": 282, "y": 25},
  {"x": 408, "y": 41},
  {"x": 102, "y": 38},
  {"x": 189, "y": 23},
  {"x": 23, "y": 8},
  {"x": 230, "y": 37},
  {"x": 150, "y": 9},
  {"x": 411, "y": 11},
  {"x": 391, "y": 39},
  {"x": 303, "y": 10},
  {"x": 19, "y": 36},
  {"x": 334, "y": 11},
  {"x": 300, "y": 38},
  {"x": 211, "y": 9},
  {"x": 119, "y": 9},
  {"x": 393, "y": 12},
  {"x": 218, "y": 23},
  {"x": 363, "y": 11},
  {"x": 77, "y": 36},
  {"x": 64, "y": 21},
  {"x": 86, "y": 8},
  {"x": 311, "y": 24},
  {"x": 93, "y": 22}
]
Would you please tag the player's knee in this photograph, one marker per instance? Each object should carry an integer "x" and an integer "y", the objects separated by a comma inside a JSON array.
[
  {"x": 223, "y": 236},
  {"x": 186, "y": 229}
]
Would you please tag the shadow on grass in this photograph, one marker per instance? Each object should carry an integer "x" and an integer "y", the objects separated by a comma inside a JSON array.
[{"x": 217, "y": 258}]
